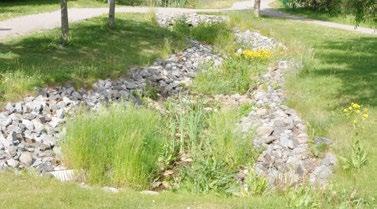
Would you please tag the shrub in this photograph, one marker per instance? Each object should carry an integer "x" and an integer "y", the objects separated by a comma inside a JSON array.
[{"x": 118, "y": 145}]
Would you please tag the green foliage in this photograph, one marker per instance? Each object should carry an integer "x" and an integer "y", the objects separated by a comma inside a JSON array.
[
  {"x": 254, "y": 184},
  {"x": 357, "y": 157},
  {"x": 362, "y": 10},
  {"x": 235, "y": 75},
  {"x": 117, "y": 146},
  {"x": 302, "y": 198},
  {"x": 216, "y": 150}
]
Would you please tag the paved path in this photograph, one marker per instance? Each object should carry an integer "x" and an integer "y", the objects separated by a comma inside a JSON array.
[{"x": 38, "y": 22}]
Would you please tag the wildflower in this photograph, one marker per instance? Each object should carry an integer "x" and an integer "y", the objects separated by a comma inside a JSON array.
[
  {"x": 355, "y": 106},
  {"x": 258, "y": 54},
  {"x": 365, "y": 116}
]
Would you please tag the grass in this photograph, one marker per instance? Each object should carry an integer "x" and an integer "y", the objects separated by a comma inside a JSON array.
[
  {"x": 217, "y": 151},
  {"x": 235, "y": 75},
  {"x": 116, "y": 146},
  {"x": 322, "y": 15},
  {"x": 9, "y": 8},
  {"x": 339, "y": 68},
  {"x": 28, "y": 191},
  {"x": 94, "y": 52}
]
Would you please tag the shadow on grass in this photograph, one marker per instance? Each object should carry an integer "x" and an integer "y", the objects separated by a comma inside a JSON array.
[
  {"x": 95, "y": 52},
  {"x": 354, "y": 62}
]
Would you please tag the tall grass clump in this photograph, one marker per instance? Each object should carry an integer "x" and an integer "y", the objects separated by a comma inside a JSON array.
[
  {"x": 206, "y": 150},
  {"x": 117, "y": 145},
  {"x": 223, "y": 152}
]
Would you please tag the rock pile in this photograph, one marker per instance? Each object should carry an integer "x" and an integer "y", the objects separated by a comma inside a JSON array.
[
  {"x": 286, "y": 159},
  {"x": 30, "y": 129},
  {"x": 191, "y": 19},
  {"x": 254, "y": 40}
]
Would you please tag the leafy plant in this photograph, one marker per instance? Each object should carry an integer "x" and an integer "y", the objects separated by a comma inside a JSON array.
[{"x": 357, "y": 158}]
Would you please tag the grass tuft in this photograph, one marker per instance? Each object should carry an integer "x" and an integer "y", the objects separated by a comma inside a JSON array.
[{"x": 117, "y": 146}]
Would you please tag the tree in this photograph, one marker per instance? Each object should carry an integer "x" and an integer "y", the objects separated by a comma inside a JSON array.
[
  {"x": 257, "y": 8},
  {"x": 362, "y": 9},
  {"x": 111, "y": 13},
  {"x": 64, "y": 21}
]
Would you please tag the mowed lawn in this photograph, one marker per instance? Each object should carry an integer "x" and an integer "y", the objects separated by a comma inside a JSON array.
[{"x": 94, "y": 52}]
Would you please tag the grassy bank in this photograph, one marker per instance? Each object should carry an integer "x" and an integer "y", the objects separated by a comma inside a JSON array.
[
  {"x": 339, "y": 68},
  {"x": 94, "y": 52}
]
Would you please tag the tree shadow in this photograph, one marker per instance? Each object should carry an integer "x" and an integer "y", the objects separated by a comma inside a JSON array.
[
  {"x": 354, "y": 62},
  {"x": 95, "y": 52}
]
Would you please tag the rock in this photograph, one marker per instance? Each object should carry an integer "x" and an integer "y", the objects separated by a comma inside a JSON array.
[
  {"x": 322, "y": 141},
  {"x": 110, "y": 189},
  {"x": 26, "y": 158},
  {"x": 12, "y": 163}
]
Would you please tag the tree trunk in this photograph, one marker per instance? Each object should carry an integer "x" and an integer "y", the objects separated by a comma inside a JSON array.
[
  {"x": 64, "y": 21},
  {"x": 257, "y": 8},
  {"x": 111, "y": 13}
]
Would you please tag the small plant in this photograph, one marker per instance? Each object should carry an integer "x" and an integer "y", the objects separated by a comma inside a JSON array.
[
  {"x": 357, "y": 156},
  {"x": 253, "y": 185},
  {"x": 302, "y": 198}
]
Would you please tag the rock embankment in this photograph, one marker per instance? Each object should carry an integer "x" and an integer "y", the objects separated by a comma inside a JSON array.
[
  {"x": 30, "y": 129},
  {"x": 281, "y": 134}
]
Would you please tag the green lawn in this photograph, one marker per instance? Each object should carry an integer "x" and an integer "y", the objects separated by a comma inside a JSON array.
[
  {"x": 9, "y": 8},
  {"x": 27, "y": 191},
  {"x": 94, "y": 52}
]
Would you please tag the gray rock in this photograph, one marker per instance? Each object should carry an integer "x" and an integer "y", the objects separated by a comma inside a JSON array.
[
  {"x": 26, "y": 158},
  {"x": 12, "y": 163}
]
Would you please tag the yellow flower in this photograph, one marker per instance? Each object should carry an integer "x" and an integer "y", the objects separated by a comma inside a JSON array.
[
  {"x": 355, "y": 106},
  {"x": 365, "y": 116},
  {"x": 357, "y": 111},
  {"x": 260, "y": 54}
]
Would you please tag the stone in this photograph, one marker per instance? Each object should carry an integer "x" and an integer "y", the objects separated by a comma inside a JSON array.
[
  {"x": 12, "y": 163},
  {"x": 26, "y": 158},
  {"x": 110, "y": 189},
  {"x": 322, "y": 141}
]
